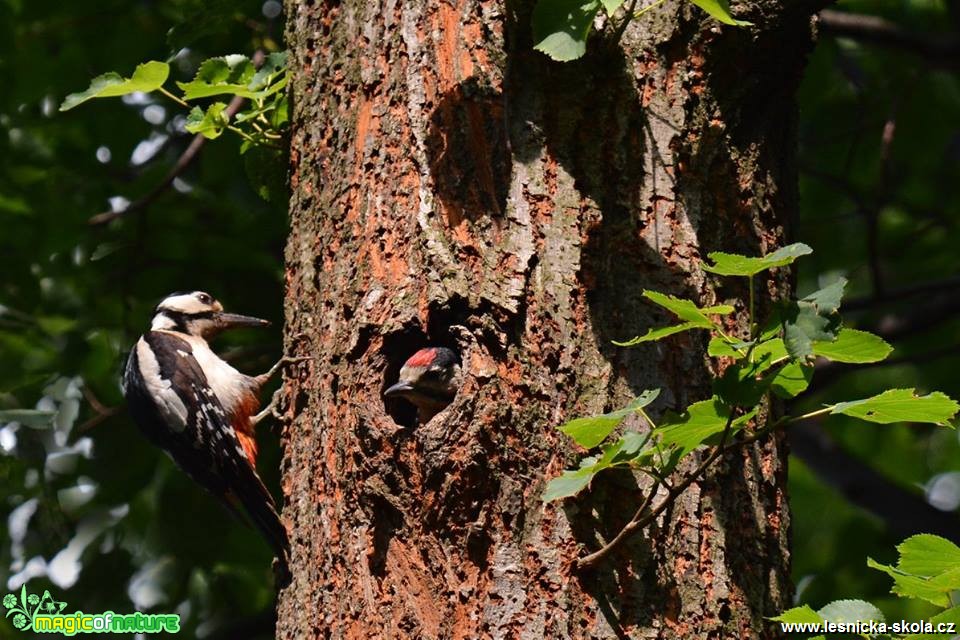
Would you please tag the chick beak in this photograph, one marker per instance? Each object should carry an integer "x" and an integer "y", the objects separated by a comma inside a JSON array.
[
  {"x": 233, "y": 320},
  {"x": 397, "y": 390}
]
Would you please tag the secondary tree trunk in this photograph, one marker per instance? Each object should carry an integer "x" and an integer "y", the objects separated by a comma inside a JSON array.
[{"x": 452, "y": 186}]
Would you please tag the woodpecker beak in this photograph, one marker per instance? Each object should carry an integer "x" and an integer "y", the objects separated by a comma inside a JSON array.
[
  {"x": 233, "y": 320},
  {"x": 398, "y": 390}
]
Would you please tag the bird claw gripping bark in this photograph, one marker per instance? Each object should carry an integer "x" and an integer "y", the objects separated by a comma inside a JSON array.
[{"x": 272, "y": 408}]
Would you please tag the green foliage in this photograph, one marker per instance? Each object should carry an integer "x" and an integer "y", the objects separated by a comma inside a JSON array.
[
  {"x": 853, "y": 347},
  {"x": 147, "y": 77},
  {"x": 91, "y": 510},
  {"x": 591, "y": 431},
  {"x": 901, "y": 405},
  {"x": 720, "y": 10},
  {"x": 729, "y": 264},
  {"x": 812, "y": 319},
  {"x": 928, "y": 570},
  {"x": 774, "y": 360},
  {"x": 561, "y": 27},
  {"x": 261, "y": 123},
  {"x": 693, "y": 317}
]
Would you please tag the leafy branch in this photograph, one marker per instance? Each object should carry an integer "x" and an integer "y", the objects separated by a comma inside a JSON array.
[
  {"x": 774, "y": 359},
  {"x": 561, "y": 27},
  {"x": 927, "y": 571},
  {"x": 258, "y": 112}
]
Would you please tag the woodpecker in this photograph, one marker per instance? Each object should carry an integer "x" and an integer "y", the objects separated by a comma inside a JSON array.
[
  {"x": 200, "y": 410},
  {"x": 428, "y": 380}
]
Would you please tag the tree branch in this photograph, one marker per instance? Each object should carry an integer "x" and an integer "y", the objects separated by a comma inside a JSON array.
[
  {"x": 903, "y": 511},
  {"x": 940, "y": 50}
]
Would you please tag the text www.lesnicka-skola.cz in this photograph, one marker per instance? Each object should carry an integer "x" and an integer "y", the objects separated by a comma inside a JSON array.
[{"x": 870, "y": 627}]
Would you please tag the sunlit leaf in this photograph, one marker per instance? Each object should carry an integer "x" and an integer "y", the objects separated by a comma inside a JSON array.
[
  {"x": 147, "y": 77},
  {"x": 853, "y": 346},
  {"x": 568, "y": 484},
  {"x": 561, "y": 27},
  {"x": 799, "y": 615},
  {"x": 699, "y": 422},
  {"x": 732, "y": 264},
  {"x": 209, "y": 123},
  {"x": 901, "y": 405},
  {"x": 720, "y": 10},
  {"x": 590, "y": 431},
  {"x": 659, "y": 333},
  {"x": 849, "y": 611},
  {"x": 792, "y": 379}
]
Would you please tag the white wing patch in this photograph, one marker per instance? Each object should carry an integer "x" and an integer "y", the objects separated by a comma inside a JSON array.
[{"x": 169, "y": 404}]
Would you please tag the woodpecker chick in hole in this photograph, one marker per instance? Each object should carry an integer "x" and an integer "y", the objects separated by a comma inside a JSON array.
[
  {"x": 200, "y": 410},
  {"x": 428, "y": 380}
]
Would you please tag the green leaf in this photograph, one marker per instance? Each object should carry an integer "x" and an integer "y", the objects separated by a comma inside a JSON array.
[
  {"x": 699, "y": 422},
  {"x": 611, "y": 6},
  {"x": 561, "y": 27},
  {"x": 569, "y": 484},
  {"x": 209, "y": 123},
  {"x": 659, "y": 333},
  {"x": 686, "y": 310},
  {"x": 273, "y": 65},
  {"x": 28, "y": 417},
  {"x": 799, "y": 615},
  {"x": 147, "y": 77},
  {"x": 853, "y": 346},
  {"x": 233, "y": 74},
  {"x": 280, "y": 114},
  {"x": 693, "y": 316},
  {"x": 935, "y": 590},
  {"x": 926, "y": 554},
  {"x": 847, "y": 611},
  {"x": 591, "y": 431},
  {"x": 720, "y": 10},
  {"x": 901, "y": 405},
  {"x": 812, "y": 319},
  {"x": 731, "y": 264},
  {"x": 739, "y": 384},
  {"x": 950, "y": 615},
  {"x": 829, "y": 298},
  {"x": 792, "y": 379},
  {"x": 720, "y": 348}
]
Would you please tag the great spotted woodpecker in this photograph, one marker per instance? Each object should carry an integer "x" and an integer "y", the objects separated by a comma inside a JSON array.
[
  {"x": 200, "y": 410},
  {"x": 428, "y": 380}
]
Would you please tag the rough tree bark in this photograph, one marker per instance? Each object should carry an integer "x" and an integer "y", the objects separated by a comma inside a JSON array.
[{"x": 452, "y": 186}]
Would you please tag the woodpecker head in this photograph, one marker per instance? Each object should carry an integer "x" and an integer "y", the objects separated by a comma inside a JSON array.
[
  {"x": 428, "y": 380},
  {"x": 198, "y": 314}
]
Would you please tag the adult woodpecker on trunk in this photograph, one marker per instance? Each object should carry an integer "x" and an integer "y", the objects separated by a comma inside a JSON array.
[
  {"x": 428, "y": 380},
  {"x": 200, "y": 410}
]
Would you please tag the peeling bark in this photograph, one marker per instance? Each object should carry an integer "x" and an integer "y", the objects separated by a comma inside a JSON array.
[{"x": 452, "y": 186}]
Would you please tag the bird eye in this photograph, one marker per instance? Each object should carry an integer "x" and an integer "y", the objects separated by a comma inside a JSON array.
[{"x": 204, "y": 298}]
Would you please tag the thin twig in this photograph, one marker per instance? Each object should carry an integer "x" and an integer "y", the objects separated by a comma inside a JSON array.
[
  {"x": 178, "y": 168},
  {"x": 101, "y": 411},
  {"x": 939, "y": 50},
  {"x": 644, "y": 515}
]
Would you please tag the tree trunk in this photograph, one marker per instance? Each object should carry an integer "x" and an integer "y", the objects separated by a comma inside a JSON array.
[{"x": 453, "y": 186}]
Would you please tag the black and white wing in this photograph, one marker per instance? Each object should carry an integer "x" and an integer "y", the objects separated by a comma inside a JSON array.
[{"x": 173, "y": 404}]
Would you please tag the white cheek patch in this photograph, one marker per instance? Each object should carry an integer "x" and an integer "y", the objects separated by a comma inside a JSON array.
[{"x": 169, "y": 404}]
